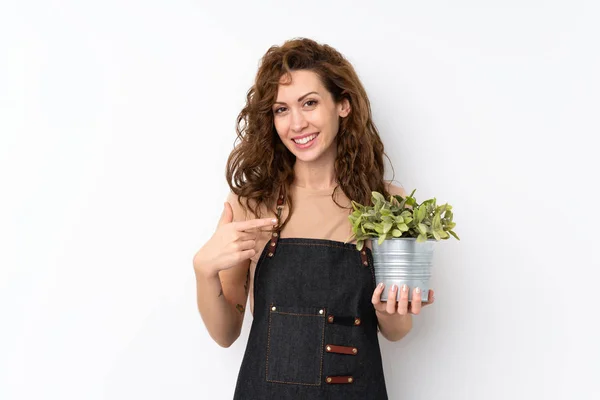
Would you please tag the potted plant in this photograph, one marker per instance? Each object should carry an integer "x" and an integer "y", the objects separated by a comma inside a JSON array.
[{"x": 402, "y": 233}]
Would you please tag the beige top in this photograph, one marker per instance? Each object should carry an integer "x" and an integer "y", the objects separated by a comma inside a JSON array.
[{"x": 315, "y": 216}]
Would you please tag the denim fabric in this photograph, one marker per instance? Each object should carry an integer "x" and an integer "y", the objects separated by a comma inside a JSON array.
[{"x": 295, "y": 291}]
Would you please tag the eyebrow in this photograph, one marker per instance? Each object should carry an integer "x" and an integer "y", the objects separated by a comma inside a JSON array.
[{"x": 299, "y": 99}]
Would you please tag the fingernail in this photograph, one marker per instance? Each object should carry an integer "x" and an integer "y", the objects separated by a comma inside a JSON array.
[
  {"x": 274, "y": 220},
  {"x": 417, "y": 290},
  {"x": 380, "y": 285},
  {"x": 394, "y": 288},
  {"x": 404, "y": 288}
]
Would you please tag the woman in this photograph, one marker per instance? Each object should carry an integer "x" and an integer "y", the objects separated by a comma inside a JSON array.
[{"x": 307, "y": 145}]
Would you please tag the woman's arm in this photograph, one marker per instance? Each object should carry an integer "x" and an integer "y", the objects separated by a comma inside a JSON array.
[
  {"x": 222, "y": 268},
  {"x": 395, "y": 326},
  {"x": 221, "y": 301}
]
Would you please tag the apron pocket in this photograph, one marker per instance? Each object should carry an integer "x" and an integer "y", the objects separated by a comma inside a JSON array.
[{"x": 295, "y": 345}]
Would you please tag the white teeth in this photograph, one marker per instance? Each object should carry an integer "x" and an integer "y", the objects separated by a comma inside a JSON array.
[{"x": 305, "y": 140}]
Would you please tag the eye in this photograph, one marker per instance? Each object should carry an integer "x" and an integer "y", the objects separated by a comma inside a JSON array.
[
  {"x": 311, "y": 101},
  {"x": 278, "y": 110}
]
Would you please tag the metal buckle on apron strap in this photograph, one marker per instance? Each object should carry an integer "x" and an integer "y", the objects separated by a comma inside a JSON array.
[
  {"x": 343, "y": 320},
  {"x": 332, "y": 348},
  {"x": 339, "y": 379}
]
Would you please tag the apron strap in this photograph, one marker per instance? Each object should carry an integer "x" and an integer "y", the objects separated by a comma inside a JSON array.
[{"x": 276, "y": 229}]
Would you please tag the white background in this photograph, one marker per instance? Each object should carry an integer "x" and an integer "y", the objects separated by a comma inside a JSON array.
[{"x": 116, "y": 119}]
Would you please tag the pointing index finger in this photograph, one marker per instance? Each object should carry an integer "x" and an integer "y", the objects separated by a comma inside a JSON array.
[{"x": 255, "y": 223}]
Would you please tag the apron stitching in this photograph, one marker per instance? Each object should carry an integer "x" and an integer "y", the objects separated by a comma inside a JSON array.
[
  {"x": 268, "y": 347},
  {"x": 296, "y": 383},
  {"x": 322, "y": 349},
  {"x": 299, "y": 315},
  {"x": 317, "y": 244}
]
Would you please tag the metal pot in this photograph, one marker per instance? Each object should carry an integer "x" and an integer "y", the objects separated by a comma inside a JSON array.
[{"x": 403, "y": 261}]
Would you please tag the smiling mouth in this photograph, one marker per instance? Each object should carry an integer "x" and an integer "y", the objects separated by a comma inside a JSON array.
[{"x": 306, "y": 139}]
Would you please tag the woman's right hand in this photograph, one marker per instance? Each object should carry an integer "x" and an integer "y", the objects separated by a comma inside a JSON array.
[{"x": 232, "y": 243}]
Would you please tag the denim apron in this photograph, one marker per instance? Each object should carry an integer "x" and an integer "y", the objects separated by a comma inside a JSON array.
[{"x": 314, "y": 333}]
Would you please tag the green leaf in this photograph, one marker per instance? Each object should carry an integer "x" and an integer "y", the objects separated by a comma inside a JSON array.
[
  {"x": 402, "y": 227},
  {"x": 410, "y": 200},
  {"x": 421, "y": 212},
  {"x": 442, "y": 209},
  {"x": 421, "y": 238},
  {"x": 381, "y": 239},
  {"x": 387, "y": 226},
  {"x": 369, "y": 225},
  {"x": 388, "y": 218},
  {"x": 437, "y": 223},
  {"x": 385, "y": 212},
  {"x": 396, "y": 233},
  {"x": 359, "y": 245},
  {"x": 378, "y": 197},
  {"x": 453, "y": 234}
]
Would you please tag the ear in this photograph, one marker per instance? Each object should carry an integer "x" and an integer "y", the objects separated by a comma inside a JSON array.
[{"x": 344, "y": 108}]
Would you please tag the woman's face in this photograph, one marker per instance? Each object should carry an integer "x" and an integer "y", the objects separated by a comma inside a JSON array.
[{"x": 306, "y": 116}]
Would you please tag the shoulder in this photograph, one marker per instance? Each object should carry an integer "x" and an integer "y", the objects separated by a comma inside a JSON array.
[
  {"x": 395, "y": 190},
  {"x": 239, "y": 205},
  {"x": 242, "y": 207}
]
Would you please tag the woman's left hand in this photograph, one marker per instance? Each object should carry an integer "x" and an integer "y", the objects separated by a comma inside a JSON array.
[{"x": 402, "y": 306}]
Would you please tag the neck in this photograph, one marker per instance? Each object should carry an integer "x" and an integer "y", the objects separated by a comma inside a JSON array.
[{"x": 318, "y": 174}]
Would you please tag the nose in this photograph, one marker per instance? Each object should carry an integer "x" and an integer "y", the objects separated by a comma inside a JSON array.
[{"x": 298, "y": 121}]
